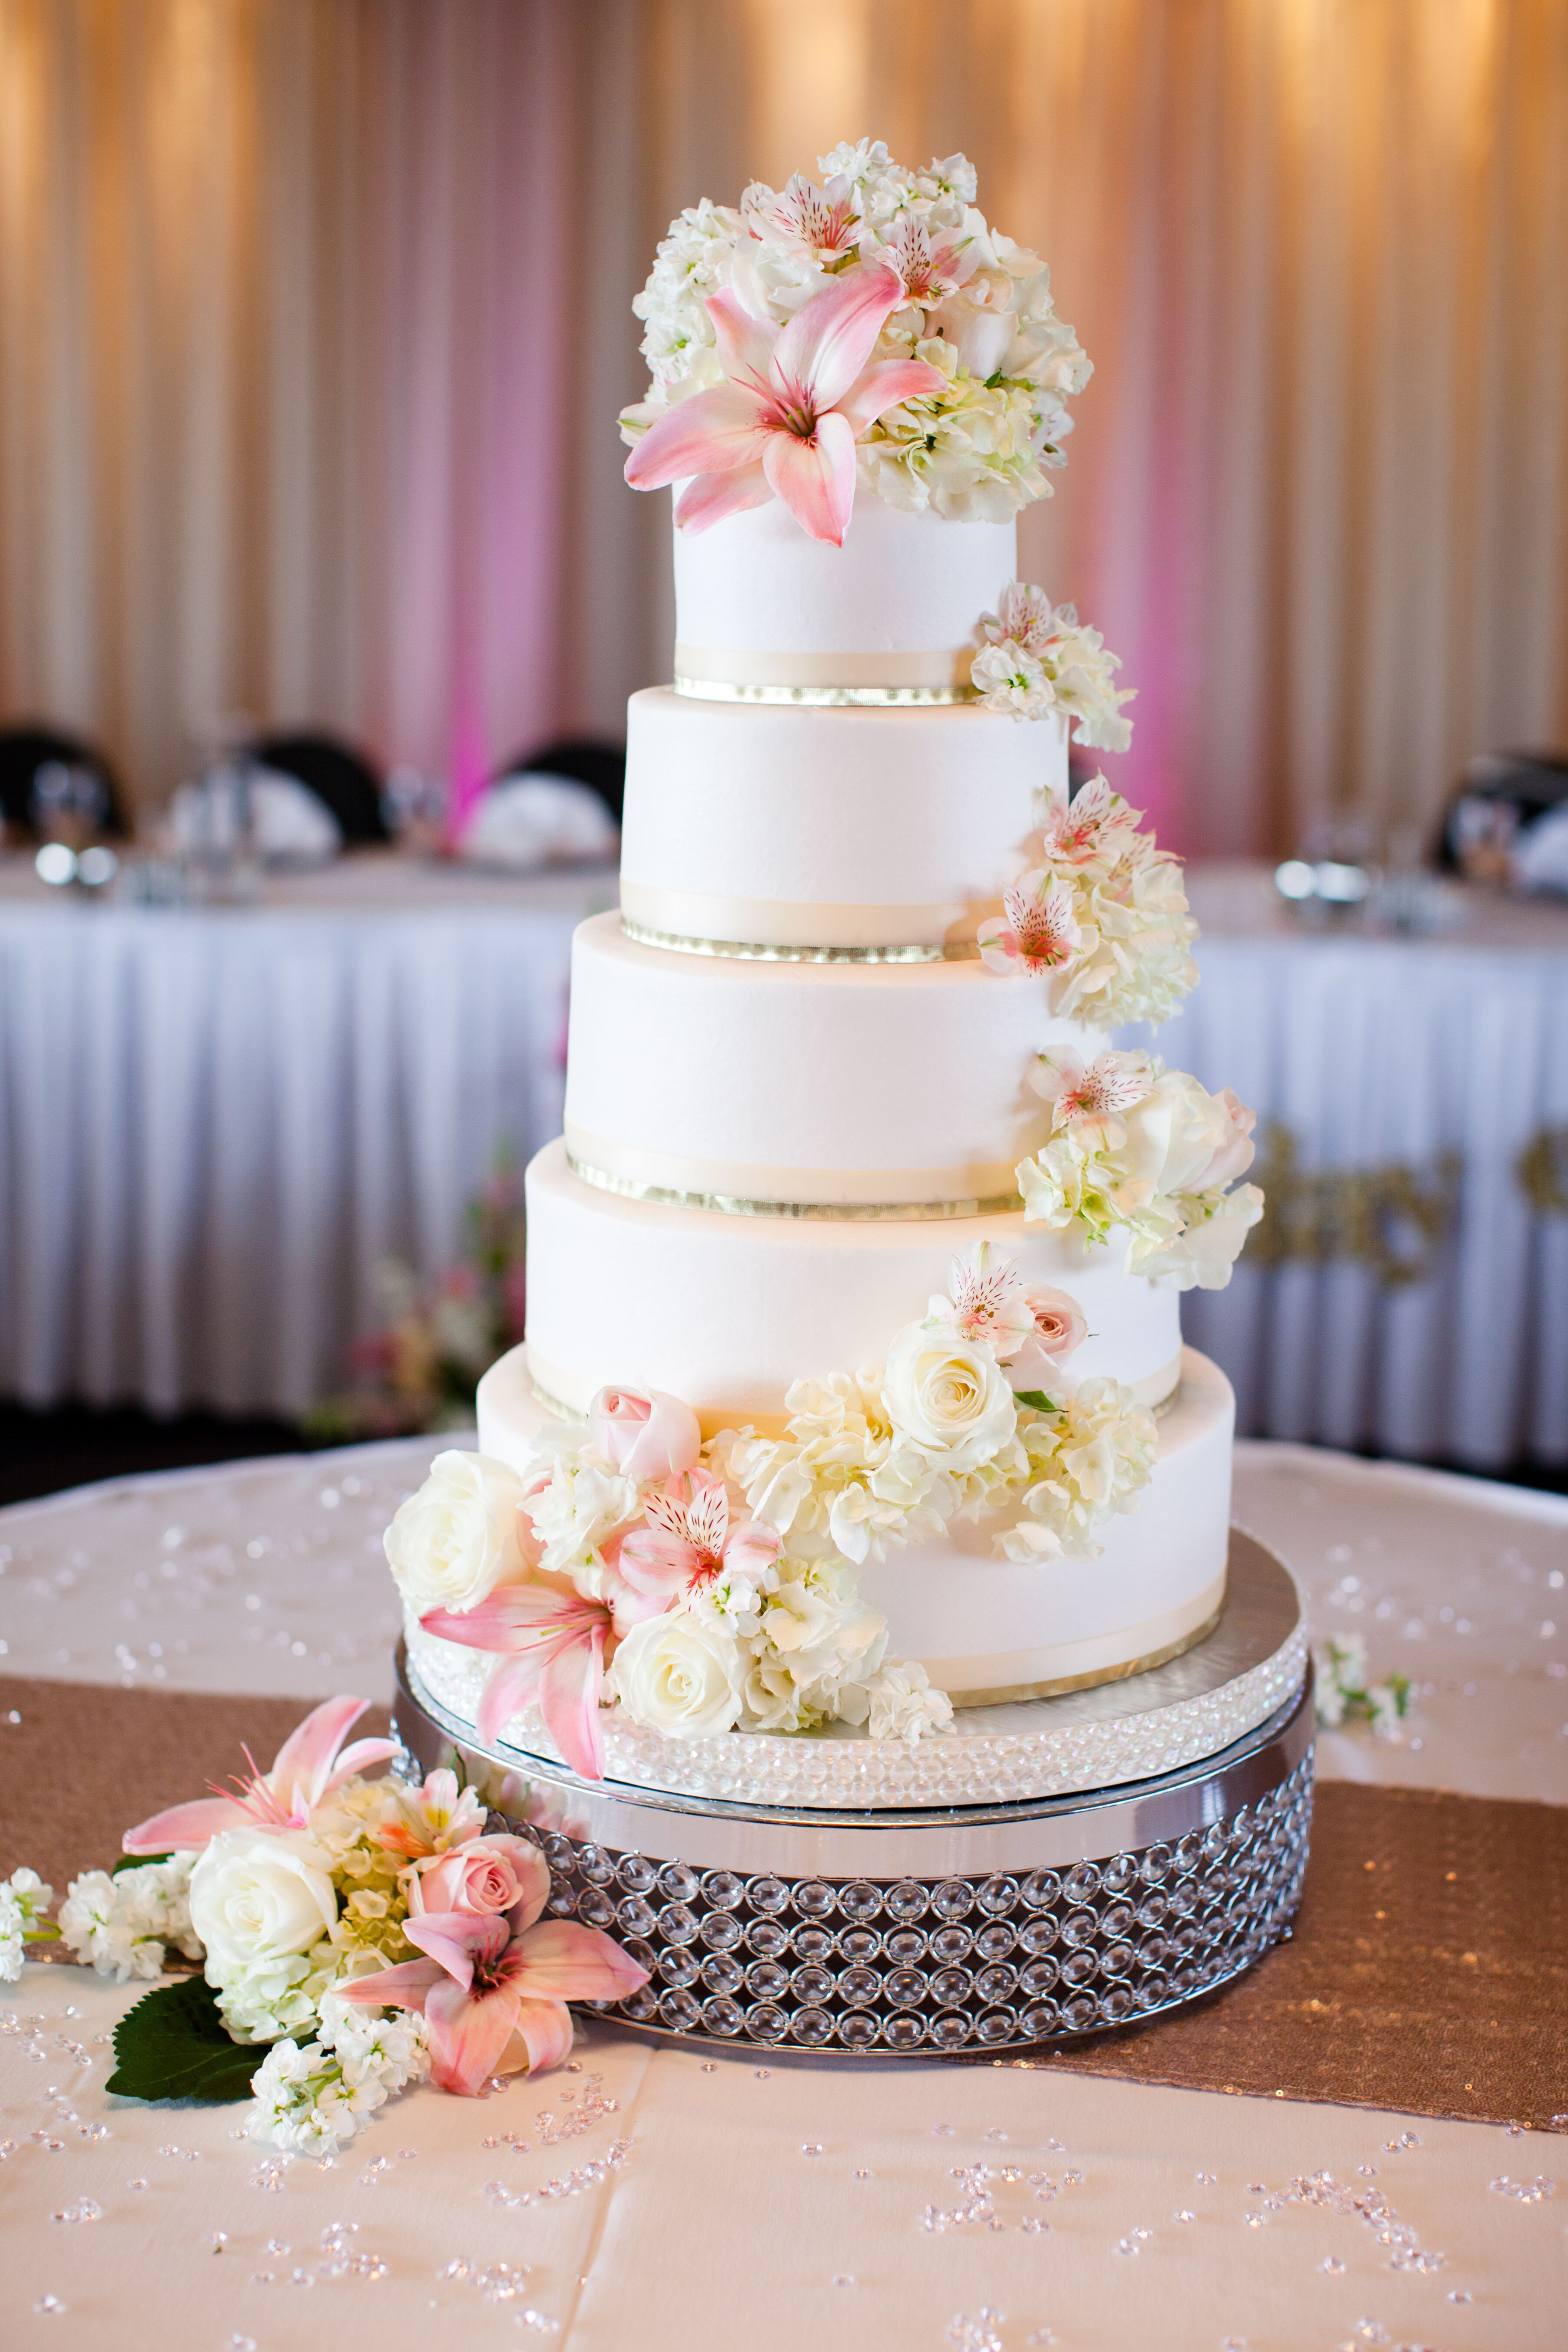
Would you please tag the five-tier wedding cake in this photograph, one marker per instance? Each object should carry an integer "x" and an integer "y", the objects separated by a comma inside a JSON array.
[{"x": 853, "y": 1389}]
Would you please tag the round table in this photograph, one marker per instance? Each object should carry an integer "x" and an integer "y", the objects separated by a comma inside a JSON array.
[{"x": 760, "y": 2204}]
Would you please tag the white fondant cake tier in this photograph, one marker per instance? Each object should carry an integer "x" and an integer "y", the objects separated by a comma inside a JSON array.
[
  {"x": 983, "y": 1627},
  {"x": 838, "y": 828},
  {"x": 729, "y": 1311},
  {"x": 760, "y": 606},
  {"x": 822, "y": 1085}
]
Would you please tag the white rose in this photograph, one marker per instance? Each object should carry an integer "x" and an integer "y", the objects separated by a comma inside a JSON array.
[
  {"x": 453, "y": 1543},
  {"x": 261, "y": 1895},
  {"x": 950, "y": 1400},
  {"x": 674, "y": 1674}
]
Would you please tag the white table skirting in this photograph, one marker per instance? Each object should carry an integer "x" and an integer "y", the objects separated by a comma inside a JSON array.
[
  {"x": 1428, "y": 1067},
  {"x": 214, "y": 1124},
  {"x": 767, "y": 2203}
]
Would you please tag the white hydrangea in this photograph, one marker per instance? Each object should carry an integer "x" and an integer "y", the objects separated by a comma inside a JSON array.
[
  {"x": 265, "y": 2000},
  {"x": 1090, "y": 1459},
  {"x": 120, "y": 1924},
  {"x": 902, "y": 1704},
  {"x": 817, "y": 1645},
  {"x": 979, "y": 307},
  {"x": 311, "y": 2098},
  {"x": 25, "y": 1901},
  {"x": 585, "y": 1498},
  {"x": 840, "y": 1479}
]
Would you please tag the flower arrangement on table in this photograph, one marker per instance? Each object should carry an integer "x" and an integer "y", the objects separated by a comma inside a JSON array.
[
  {"x": 355, "y": 1935},
  {"x": 874, "y": 329},
  {"x": 705, "y": 1586},
  {"x": 420, "y": 1369},
  {"x": 1347, "y": 1693}
]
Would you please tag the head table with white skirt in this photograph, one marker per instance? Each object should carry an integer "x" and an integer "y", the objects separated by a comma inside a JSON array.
[{"x": 709, "y": 2199}]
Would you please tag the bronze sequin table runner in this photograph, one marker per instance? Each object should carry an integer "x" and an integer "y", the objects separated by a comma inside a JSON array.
[{"x": 1429, "y": 1971}]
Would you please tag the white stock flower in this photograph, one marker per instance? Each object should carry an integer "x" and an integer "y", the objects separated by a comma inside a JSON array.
[
  {"x": 1090, "y": 1457},
  {"x": 453, "y": 1543},
  {"x": 120, "y": 1924},
  {"x": 260, "y": 1896},
  {"x": 904, "y": 1705},
  {"x": 1012, "y": 681},
  {"x": 312, "y": 2099},
  {"x": 583, "y": 1500},
  {"x": 25, "y": 1901},
  {"x": 818, "y": 1643},
  {"x": 678, "y": 1675},
  {"x": 947, "y": 1398}
]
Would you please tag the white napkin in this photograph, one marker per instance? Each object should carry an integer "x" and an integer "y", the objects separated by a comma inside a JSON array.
[
  {"x": 289, "y": 825},
  {"x": 538, "y": 820}
]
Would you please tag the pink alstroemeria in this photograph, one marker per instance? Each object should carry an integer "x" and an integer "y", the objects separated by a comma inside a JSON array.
[
  {"x": 800, "y": 214},
  {"x": 786, "y": 422},
  {"x": 1083, "y": 1092},
  {"x": 552, "y": 1650},
  {"x": 1094, "y": 825},
  {"x": 688, "y": 1542},
  {"x": 929, "y": 272},
  {"x": 435, "y": 1818},
  {"x": 1038, "y": 933},
  {"x": 486, "y": 1980},
  {"x": 986, "y": 1306},
  {"x": 312, "y": 1765}
]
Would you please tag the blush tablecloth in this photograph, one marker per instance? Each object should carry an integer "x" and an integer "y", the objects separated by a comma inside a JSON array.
[
  {"x": 764, "y": 2204},
  {"x": 216, "y": 1123}
]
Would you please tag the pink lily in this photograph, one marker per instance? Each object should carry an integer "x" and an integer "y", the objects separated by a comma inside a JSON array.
[
  {"x": 689, "y": 1541},
  {"x": 786, "y": 422},
  {"x": 553, "y": 1646},
  {"x": 1039, "y": 932},
  {"x": 312, "y": 1765},
  {"x": 487, "y": 1979}
]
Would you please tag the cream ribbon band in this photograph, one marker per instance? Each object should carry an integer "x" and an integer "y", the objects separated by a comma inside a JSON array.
[
  {"x": 739, "y": 674},
  {"x": 994, "y": 1680},
  {"x": 871, "y": 1211},
  {"x": 568, "y": 1395},
  {"x": 759, "y": 951}
]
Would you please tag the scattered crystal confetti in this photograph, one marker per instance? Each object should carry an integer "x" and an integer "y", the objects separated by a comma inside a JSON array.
[
  {"x": 49, "y": 2306},
  {"x": 84, "y": 2209},
  {"x": 979, "y": 2334},
  {"x": 842, "y": 2278},
  {"x": 1529, "y": 2193},
  {"x": 1332, "y": 2265}
]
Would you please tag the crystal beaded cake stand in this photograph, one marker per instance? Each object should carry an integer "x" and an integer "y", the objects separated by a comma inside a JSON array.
[{"x": 899, "y": 1931}]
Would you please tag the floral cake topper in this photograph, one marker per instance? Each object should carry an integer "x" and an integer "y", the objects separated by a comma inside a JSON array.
[{"x": 872, "y": 331}]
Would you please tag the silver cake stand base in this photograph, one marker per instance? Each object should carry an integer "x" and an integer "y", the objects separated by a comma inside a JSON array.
[{"x": 930, "y": 1932}]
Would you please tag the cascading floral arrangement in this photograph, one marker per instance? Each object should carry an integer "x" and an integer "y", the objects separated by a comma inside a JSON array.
[
  {"x": 874, "y": 329},
  {"x": 709, "y": 1586},
  {"x": 317, "y": 1900}
]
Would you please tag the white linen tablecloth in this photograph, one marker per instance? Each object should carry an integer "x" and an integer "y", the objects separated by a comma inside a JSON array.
[
  {"x": 214, "y": 1124},
  {"x": 761, "y": 2204},
  {"x": 1379, "y": 1053}
]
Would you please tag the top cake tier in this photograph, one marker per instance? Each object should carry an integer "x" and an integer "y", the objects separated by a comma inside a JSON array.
[{"x": 764, "y": 613}]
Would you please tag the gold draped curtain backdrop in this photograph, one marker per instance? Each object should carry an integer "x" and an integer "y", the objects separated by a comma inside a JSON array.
[{"x": 315, "y": 323}]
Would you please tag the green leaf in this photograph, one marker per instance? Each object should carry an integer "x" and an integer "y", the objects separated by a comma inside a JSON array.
[
  {"x": 1037, "y": 1398},
  {"x": 135, "y": 1860},
  {"x": 175, "y": 2045}
]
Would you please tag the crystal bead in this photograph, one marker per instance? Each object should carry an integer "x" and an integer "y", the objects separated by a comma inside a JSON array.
[
  {"x": 1039, "y": 1976},
  {"x": 766, "y": 1938},
  {"x": 1116, "y": 2005},
  {"x": 1117, "y": 1959},
  {"x": 950, "y": 1986},
  {"x": 768, "y": 1895},
  {"x": 767, "y": 1980},
  {"x": 678, "y": 2010},
  {"x": 559, "y": 1851},
  {"x": 597, "y": 1867},
  {"x": 766, "y": 2023},
  {"x": 720, "y": 1931},
  {"x": 996, "y": 2025},
  {"x": 677, "y": 1966},
  {"x": 1081, "y": 2012},
  {"x": 859, "y": 2029},
  {"x": 811, "y": 2026},
  {"x": 677, "y": 1923},
  {"x": 951, "y": 1943},
  {"x": 859, "y": 1900},
  {"x": 906, "y": 1900},
  {"x": 1039, "y": 1890},
  {"x": 1040, "y": 2021},
  {"x": 860, "y": 1986},
  {"x": 1039, "y": 1935},
  {"x": 995, "y": 1942},
  {"x": 998, "y": 1897},
  {"x": 951, "y": 2030},
  {"x": 904, "y": 2032},
  {"x": 905, "y": 1988},
  {"x": 1081, "y": 1883},
  {"x": 1115, "y": 1919},
  {"x": 720, "y": 1974},
  {"x": 905, "y": 1946},
  {"x": 1153, "y": 1864},
  {"x": 1079, "y": 1927},
  {"x": 813, "y": 1944},
  {"x": 996, "y": 1983},
  {"x": 720, "y": 2015},
  {"x": 640, "y": 2005},
  {"x": 636, "y": 1874},
  {"x": 953, "y": 1899},
  {"x": 1154, "y": 1907},
  {"x": 678, "y": 1881},
  {"x": 596, "y": 1909},
  {"x": 1077, "y": 1967},
  {"x": 860, "y": 1944},
  {"x": 635, "y": 1915},
  {"x": 813, "y": 1898},
  {"x": 723, "y": 1890},
  {"x": 812, "y": 1984},
  {"x": 1119, "y": 1873}
]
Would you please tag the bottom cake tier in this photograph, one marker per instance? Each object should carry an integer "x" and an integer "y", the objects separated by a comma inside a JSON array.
[{"x": 987, "y": 1629}]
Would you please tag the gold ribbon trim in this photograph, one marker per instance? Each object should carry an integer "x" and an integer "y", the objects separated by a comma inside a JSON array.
[
  {"x": 755, "y": 674},
  {"x": 730, "y": 1204},
  {"x": 869, "y": 697},
  {"x": 1059, "y": 1685},
  {"x": 755, "y": 951}
]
